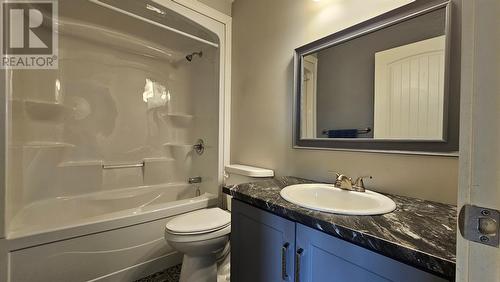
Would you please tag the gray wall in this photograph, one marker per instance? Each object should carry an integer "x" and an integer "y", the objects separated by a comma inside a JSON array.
[
  {"x": 346, "y": 72},
  {"x": 265, "y": 33}
]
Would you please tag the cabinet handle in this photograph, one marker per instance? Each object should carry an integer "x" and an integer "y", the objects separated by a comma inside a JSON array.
[
  {"x": 298, "y": 255},
  {"x": 284, "y": 250}
]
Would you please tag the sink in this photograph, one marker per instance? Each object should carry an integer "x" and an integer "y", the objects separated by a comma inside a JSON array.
[{"x": 327, "y": 198}]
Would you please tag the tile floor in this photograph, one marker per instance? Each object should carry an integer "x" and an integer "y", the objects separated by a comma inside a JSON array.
[{"x": 171, "y": 274}]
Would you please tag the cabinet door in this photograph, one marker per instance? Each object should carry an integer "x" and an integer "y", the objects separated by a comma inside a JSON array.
[
  {"x": 321, "y": 257},
  {"x": 262, "y": 245}
]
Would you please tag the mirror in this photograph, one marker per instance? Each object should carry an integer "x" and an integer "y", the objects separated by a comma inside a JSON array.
[{"x": 378, "y": 82}]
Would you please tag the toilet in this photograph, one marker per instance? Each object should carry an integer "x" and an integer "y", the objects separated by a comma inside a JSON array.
[{"x": 203, "y": 235}]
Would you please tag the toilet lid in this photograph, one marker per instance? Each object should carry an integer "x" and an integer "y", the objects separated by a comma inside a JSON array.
[{"x": 200, "y": 221}]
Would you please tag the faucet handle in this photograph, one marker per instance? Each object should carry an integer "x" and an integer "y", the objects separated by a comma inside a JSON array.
[
  {"x": 343, "y": 181},
  {"x": 359, "y": 181}
]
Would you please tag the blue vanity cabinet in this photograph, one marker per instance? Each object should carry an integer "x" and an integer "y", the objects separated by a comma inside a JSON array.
[
  {"x": 322, "y": 257},
  {"x": 269, "y": 248},
  {"x": 262, "y": 245}
]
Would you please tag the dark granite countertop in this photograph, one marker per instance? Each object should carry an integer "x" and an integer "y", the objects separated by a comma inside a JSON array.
[{"x": 419, "y": 233}]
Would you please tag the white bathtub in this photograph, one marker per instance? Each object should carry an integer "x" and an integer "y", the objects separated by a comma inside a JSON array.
[{"x": 113, "y": 235}]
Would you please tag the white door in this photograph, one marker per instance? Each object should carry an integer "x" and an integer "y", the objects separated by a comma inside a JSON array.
[
  {"x": 480, "y": 131},
  {"x": 308, "y": 108},
  {"x": 409, "y": 91}
]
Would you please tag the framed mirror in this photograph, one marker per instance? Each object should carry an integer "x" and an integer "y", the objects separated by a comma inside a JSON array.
[{"x": 382, "y": 85}]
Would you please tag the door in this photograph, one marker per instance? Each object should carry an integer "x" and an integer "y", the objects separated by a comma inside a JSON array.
[
  {"x": 308, "y": 118},
  {"x": 262, "y": 245},
  {"x": 322, "y": 257},
  {"x": 479, "y": 132},
  {"x": 409, "y": 91}
]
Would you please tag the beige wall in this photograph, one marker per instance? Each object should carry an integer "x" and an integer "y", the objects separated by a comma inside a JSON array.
[
  {"x": 265, "y": 33},
  {"x": 223, "y": 6}
]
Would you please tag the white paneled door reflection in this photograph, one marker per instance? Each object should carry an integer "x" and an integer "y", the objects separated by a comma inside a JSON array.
[
  {"x": 409, "y": 91},
  {"x": 308, "y": 101}
]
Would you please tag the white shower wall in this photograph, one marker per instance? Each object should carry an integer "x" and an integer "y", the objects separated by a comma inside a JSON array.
[{"x": 113, "y": 100}]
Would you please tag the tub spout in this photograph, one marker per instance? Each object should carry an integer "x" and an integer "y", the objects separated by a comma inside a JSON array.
[{"x": 193, "y": 180}]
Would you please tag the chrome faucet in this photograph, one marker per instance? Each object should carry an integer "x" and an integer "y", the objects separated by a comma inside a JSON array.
[{"x": 346, "y": 183}]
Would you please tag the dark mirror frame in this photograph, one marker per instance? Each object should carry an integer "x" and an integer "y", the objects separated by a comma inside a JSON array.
[{"x": 449, "y": 145}]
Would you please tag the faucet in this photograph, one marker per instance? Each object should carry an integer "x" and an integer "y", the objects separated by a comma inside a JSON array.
[
  {"x": 346, "y": 183},
  {"x": 194, "y": 180}
]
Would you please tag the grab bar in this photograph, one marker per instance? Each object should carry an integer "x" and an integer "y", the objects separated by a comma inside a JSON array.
[{"x": 116, "y": 166}]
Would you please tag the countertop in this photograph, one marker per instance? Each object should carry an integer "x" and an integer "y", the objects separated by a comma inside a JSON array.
[{"x": 419, "y": 233}]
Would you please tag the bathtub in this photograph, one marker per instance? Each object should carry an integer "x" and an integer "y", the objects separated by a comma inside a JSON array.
[{"x": 114, "y": 235}]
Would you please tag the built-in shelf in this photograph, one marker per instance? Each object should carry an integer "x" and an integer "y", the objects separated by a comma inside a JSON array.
[
  {"x": 43, "y": 110},
  {"x": 81, "y": 163},
  {"x": 178, "y": 151},
  {"x": 179, "y": 115},
  {"x": 180, "y": 145},
  {"x": 152, "y": 160},
  {"x": 47, "y": 144}
]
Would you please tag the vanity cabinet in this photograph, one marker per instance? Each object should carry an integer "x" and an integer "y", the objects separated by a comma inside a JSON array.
[
  {"x": 266, "y": 247},
  {"x": 262, "y": 245}
]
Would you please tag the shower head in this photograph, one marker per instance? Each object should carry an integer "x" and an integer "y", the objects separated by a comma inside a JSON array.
[{"x": 190, "y": 56}]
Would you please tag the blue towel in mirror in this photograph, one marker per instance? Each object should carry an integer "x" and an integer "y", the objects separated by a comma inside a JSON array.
[{"x": 343, "y": 133}]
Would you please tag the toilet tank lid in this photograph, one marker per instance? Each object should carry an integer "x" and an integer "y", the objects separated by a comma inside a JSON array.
[{"x": 250, "y": 171}]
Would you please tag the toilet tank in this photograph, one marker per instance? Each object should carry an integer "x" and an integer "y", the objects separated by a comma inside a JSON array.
[{"x": 238, "y": 174}]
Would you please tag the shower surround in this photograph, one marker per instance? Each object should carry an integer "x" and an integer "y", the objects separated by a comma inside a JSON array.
[{"x": 98, "y": 151}]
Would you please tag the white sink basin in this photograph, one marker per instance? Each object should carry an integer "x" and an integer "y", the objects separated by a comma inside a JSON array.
[{"x": 326, "y": 198}]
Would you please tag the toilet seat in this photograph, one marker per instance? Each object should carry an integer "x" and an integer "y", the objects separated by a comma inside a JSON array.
[
  {"x": 199, "y": 225},
  {"x": 186, "y": 238},
  {"x": 197, "y": 232}
]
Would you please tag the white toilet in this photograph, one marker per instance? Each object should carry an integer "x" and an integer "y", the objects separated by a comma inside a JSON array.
[{"x": 202, "y": 235}]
